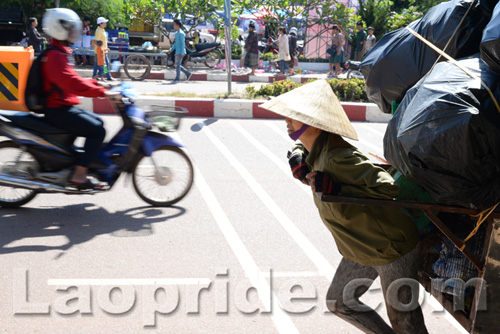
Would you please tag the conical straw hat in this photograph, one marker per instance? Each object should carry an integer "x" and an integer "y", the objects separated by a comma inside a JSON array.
[{"x": 316, "y": 105}]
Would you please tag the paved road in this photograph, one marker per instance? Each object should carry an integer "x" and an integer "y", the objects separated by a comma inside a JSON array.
[{"x": 246, "y": 223}]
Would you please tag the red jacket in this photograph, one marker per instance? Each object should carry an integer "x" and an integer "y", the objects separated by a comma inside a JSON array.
[{"x": 61, "y": 83}]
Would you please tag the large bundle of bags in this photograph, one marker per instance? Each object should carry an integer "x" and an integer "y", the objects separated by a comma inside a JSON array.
[
  {"x": 445, "y": 135},
  {"x": 399, "y": 60},
  {"x": 490, "y": 44}
]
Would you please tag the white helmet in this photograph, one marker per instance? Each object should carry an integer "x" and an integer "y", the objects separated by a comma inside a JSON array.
[
  {"x": 62, "y": 24},
  {"x": 293, "y": 30}
]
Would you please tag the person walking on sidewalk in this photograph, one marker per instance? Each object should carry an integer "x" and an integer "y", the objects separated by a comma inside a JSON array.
[
  {"x": 100, "y": 60},
  {"x": 337, "y": 58},
  {"x": 373, "y": 241},
  {"x": 180, "y": 50},
  {"x": 252, "y": 49},
  {"x": 360, "y": 42},
  {"x": 292, "y": 46},
  {"x": 34, "y": 37},
  {"x": 101, "y": 35},
  {"x": 284, "y": 50},
  {"x": 85, "y": 32}
]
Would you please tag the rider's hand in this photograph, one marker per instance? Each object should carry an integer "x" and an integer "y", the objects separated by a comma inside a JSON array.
[
  {"x": 323, "y": 183},
  {"x": 299, "y": 166},
  {"x": 104, "y": 84},
  {"x": 113, "y": 95}
]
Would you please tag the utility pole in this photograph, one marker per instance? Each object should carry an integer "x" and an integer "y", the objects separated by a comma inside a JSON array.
[{"x": 227, "y": 23}]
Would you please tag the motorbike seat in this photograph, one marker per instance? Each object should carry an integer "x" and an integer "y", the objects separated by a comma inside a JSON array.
[
  {"x": 31, "y": 122},
  {"x": 204, "y": 46}
]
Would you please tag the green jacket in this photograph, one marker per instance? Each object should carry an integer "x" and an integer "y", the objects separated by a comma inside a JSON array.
[{"x": 370, "y": 236}]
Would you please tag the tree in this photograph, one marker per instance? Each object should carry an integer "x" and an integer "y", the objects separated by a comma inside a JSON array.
[
  {"x": 112, "y": 9},
  {"x": 192, "y": 11},
  {"x": 376, "y": 14},
  {"x": 401, "y": 6},
  {"x": 403, "y": 19}
]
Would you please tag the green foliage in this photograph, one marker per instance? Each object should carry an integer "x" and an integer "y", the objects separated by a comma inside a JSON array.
[
  {"x": 112, "y": 9},
  {"x": 268, "y": 56},
  {"x": 421, "y": 5},
  {"x": 376, "y": 14},
  {"x": 236, "y": 49},
  {"x": 345, "y": 89},
  {"x": 148, "y": 11},
  {"x": 194, "y": 10},
  {"x": 275, "y": 89},
  {"x": 407, "y": 16}
]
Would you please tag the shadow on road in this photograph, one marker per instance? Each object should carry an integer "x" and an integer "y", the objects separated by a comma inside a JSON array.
[
  {"x": 198, "y": 126},
  {"x": 26, "y": 230}
]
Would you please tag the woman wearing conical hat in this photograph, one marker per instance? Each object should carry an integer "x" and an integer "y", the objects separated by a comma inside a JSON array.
[{"x": 374, "y": 241}]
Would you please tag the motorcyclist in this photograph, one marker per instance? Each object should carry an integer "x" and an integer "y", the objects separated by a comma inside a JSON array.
[{"x": 62, "y": 85}]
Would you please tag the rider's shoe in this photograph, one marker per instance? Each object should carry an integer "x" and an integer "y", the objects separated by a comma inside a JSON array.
[{"x": 90, "y": 184}]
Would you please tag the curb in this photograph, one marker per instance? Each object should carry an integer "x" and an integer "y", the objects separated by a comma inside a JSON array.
[
  {"x": 258, "y": 78},
  {"x": 233, "y": 108},
  {"x": 169, "y": 75}
]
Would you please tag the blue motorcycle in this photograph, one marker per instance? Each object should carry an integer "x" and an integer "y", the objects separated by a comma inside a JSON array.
[{"x": 39, "y": 158}]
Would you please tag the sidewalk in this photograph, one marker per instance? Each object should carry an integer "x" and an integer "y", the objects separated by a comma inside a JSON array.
[{"x": 207, "y": 74}]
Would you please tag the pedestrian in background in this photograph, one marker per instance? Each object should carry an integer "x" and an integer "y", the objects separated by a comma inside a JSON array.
[
  {"x": 100, "y": 60},
  {"x": 252, "y": 49},
  {"x": 284, "y": 50},
  {"x": 85, "y": 32},
  {"x": 292, "y": 45},
  {"x": 179, "y": 48},
  {"x": 101, "y": 35},
  {"x": 370, "y": 40},
  {"x": 360, "y": 42},
  {"x": 337, "y": 58},
  {"x": 34, "y": 38}
]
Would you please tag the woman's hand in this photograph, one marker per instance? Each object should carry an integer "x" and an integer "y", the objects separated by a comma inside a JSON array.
[{"x": 323, "y": 183}]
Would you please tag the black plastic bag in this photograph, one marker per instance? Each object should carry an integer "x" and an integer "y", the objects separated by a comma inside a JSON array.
[
  {"x": 445, "y": 135},
  {"x": 490, "y": 44},
  {"x": 399, "y": 59}
]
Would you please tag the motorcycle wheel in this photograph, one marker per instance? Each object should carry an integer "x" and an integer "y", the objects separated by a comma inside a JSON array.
[
  {"x": 213, "y": 59},
  {"x": 351, "y": 74},
  {"x": 137, "y": 67},
  {"x": 164, "y": 178},
  {"x": 11, "y": 197}
]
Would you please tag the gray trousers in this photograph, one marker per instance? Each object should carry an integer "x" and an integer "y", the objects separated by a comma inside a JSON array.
[{"x": 352, "y": 280}]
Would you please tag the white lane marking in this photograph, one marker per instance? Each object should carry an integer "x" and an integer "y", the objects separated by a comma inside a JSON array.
[
  {"x": 370, "y": 129},
  {"x": 129, "y": 281},
  {"x": 271, "y": 156},
  {"x": 286, "y": 274},
  {"x": 280, "y": 132},
  {"x": 282, "y": 321},
  {"x": 324, "y": 267}
]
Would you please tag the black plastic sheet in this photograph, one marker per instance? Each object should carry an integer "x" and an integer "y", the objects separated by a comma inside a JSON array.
[
  {"x": 445, "y": 135},
  {"x": 490, "y": 44},
  {"x": 399, "y": 59}
]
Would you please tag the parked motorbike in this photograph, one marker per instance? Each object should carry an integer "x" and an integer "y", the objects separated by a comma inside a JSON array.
[
  {"x": 209, "y": 54},
  {"x": 353, "y": 69},
  {"x": 270, "y": 46},
  {"x": 39, "y": 158}
]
